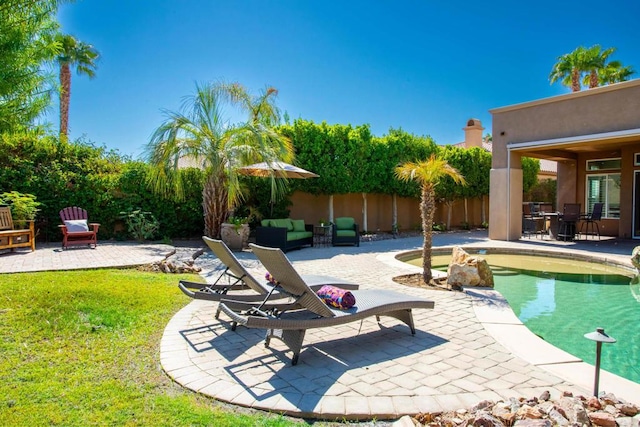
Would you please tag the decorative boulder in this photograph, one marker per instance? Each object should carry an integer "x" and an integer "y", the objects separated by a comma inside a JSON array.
[
  {"x": 467, "y": 270},
  {"x": 635, "y": 258}
]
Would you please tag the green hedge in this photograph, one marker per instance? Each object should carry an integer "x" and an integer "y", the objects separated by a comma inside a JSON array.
[{"x": 62, "y": 174}]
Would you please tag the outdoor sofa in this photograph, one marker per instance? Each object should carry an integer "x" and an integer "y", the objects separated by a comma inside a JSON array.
[{"x": 284, "y": 233}]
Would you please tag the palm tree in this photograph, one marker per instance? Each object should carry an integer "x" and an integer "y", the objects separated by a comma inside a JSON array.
[
  {"x": 201, "y": 134},
  {"x": 614, "y": 72},
  {"x": 569, "y": 69},
  {"x": 428, "y": 173},
  {"x": 595, "y": 60},
  {"x": 72, "y": 53}
]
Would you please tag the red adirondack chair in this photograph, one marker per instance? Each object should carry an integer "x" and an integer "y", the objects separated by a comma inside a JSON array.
[{"x": 75, "y": 229}]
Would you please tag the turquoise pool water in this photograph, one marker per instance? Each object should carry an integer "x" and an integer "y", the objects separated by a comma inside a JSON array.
[{"x": 561, "y": 300}]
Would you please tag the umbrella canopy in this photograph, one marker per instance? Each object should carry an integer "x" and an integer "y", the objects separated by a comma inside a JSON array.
[{"x": 279, "y": 169}]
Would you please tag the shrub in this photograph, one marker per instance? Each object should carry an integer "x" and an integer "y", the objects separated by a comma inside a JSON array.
[
  {"x": 140, "y": 224},
  {"x": 23, "y": 206}
]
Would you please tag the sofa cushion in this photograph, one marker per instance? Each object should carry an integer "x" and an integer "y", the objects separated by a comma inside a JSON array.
[
  {"x": 345, "y": 223},
  {"x": 345, "y": 233},
  {"x": 298, "y": 235},
  {"x": 265, "y": 222},
  {"x": 282, "y": 222},
  {"x": 76, "y": 225},
  {"x": 298, "y": 224}
]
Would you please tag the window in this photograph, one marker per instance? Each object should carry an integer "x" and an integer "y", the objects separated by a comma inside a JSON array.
[
  {"x": 604, "y": 188},
  {"x": 603, "y": 164}
]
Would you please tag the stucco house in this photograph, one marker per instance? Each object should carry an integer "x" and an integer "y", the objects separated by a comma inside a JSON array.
[{"x": 593, "y": 135}]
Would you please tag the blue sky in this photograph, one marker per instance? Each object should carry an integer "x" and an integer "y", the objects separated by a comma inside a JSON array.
[{"x": 423, "y": 66}]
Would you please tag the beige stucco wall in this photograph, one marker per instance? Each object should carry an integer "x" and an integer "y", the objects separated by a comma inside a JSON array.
[{"x": 312, "y": 208}]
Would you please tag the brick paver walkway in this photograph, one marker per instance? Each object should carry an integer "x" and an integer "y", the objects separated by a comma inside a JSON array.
[{"x": 366, "y": 370}]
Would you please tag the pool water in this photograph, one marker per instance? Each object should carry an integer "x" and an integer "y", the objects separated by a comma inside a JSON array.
[{"x": 560, "y": 300}]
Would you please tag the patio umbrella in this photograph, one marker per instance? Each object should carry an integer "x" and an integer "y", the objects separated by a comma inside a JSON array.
[{"x": 279, "y": 169}]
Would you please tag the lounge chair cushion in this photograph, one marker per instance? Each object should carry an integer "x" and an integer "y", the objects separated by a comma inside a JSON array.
[
  {"x": 336, "y": 297},
  {"x": 345, "y": 233},
  {"x": 76, "y": 225},
  {"x": 298, "y": 225}
]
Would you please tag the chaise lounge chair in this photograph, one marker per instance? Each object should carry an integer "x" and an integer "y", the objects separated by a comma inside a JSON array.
[
  {"x": 290, "y": 325},
  {"x": 238, "y": 278}
]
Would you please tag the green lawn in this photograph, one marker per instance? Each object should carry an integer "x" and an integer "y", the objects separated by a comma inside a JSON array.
[{"x": 81, "y": 348}]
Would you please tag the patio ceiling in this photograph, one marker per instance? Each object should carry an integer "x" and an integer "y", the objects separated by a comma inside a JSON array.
[{"x": 559, "y": 149}]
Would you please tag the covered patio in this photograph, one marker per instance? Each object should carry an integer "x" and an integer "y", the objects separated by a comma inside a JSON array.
[{"x": 593, "y": 135}]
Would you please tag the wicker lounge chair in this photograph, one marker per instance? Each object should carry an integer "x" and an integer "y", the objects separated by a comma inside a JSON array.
[
  {"x": 238, "y": 279},
  {"x": 290, "y": 325}
]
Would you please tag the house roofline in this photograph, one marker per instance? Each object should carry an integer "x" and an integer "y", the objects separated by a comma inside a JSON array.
[
  {"x": 628, "y": 133},
  {"x": 566, "y": 96}
]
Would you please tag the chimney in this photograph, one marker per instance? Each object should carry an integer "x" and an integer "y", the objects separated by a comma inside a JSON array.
[{"x": 473, "y": 133}]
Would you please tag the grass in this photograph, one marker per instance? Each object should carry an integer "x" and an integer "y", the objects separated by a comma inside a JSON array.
[{"x": 81, "y": 348}]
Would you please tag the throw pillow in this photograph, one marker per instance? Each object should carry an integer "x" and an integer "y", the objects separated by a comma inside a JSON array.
[
  {"x": 298, "y": 224},
  {"x": 76, "y": 225}
]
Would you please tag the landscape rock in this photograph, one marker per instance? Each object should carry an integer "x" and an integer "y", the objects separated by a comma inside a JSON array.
[
  {"x": 603, "y": 419},
  {"x": 467, "y": 270},
  {"x": 635, "y": 258},
  {"x": 566, "y": 411}
]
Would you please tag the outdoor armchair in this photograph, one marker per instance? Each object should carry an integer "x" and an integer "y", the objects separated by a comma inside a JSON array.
[
  {"x": 345, "y": 232},
  {"x": 75, "y": 228}
]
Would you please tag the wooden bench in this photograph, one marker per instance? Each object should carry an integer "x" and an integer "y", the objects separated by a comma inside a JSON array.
[{"x": 10, "y": 238}]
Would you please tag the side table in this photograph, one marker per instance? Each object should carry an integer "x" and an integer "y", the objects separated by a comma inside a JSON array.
[{"x": 321, "y": 235}]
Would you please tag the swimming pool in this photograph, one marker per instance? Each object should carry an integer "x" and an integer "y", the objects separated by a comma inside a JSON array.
[{"x": 562, "y": 299}]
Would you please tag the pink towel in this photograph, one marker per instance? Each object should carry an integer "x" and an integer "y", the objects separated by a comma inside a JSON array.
[{"x": 336, "y": 297}]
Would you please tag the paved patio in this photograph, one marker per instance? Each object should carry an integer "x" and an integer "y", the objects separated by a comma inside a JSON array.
[{"x": 469, "y": 348}]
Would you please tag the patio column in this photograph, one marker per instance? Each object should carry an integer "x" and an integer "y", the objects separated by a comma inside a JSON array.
[{"x": 505, "y": 201}]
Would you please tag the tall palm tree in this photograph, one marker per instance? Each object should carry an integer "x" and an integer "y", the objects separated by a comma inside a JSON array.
[
  {"x": 72, "y": 53},
  {"x": 428, "y": 173},
  {"x": 595, "y": 60},
  {"x": 569, "y": 69},
  {"x": 201, "y": 134}
]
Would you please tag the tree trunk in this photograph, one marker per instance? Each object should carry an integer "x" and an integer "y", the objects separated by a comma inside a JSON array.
[
  {"x": 365, "y": 219},
  {"x": 466, "y": 212},
  {"x": 394, "y": 215},
  {"x": 65, "y": 96},
  {"x": 593, "y": 79},
  {"x": 575, "y": 80},
  {"x": 214, "y": 205},
  {"x": 449, "y": 204},
  {"x": 427, "y": 210}
]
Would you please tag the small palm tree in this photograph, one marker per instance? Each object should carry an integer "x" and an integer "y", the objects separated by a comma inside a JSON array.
[
  {"x": 201, "y": 134},
  {"x": 428, "y": 173},
  {"x": 72, "y": 53}
]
